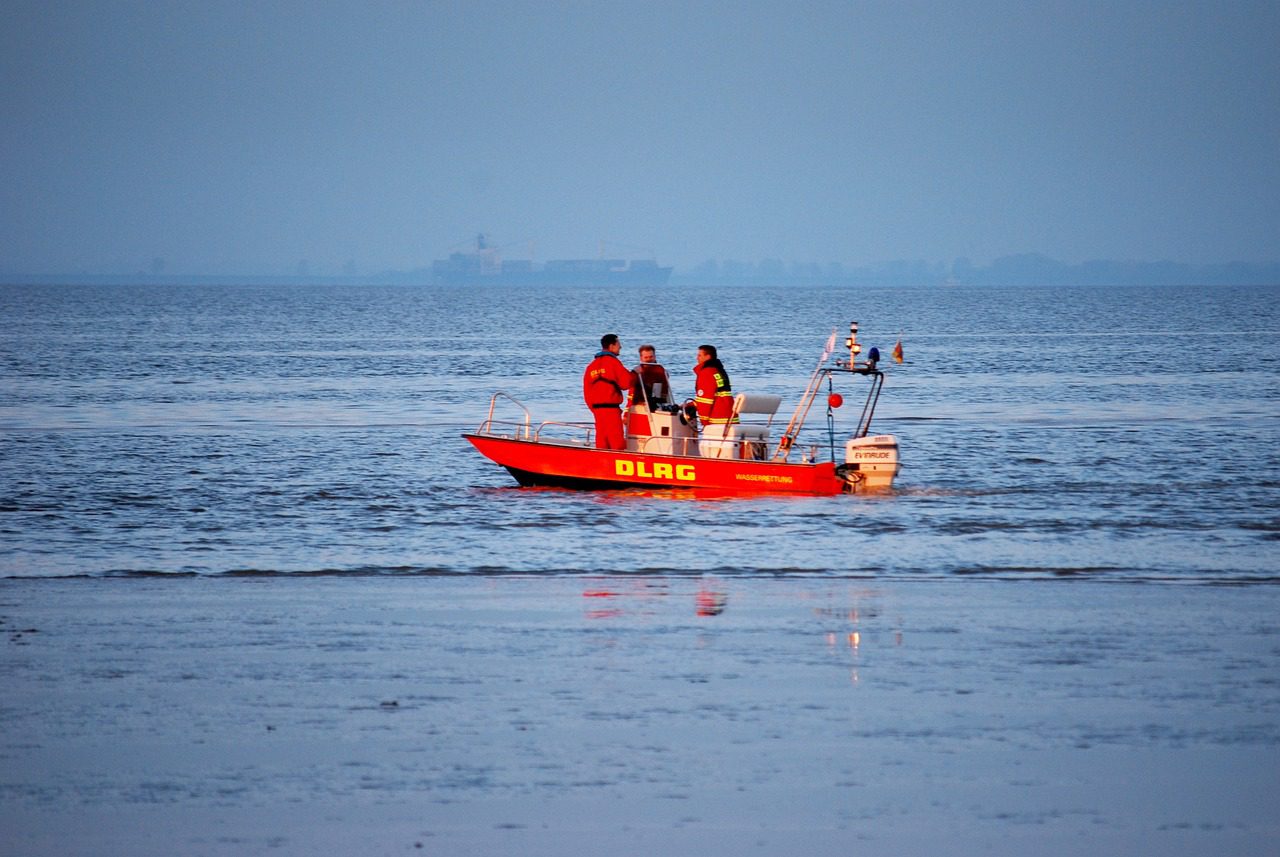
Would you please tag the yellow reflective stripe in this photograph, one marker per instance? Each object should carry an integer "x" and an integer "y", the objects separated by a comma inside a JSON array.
[
  {"x": 703, "y": 400},
  {"x": 729, "y": 395}
]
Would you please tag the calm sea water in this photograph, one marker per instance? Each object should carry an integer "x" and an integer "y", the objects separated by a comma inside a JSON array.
[
  {"x": 1127, "y": 433},
  {"x": 298, "y": 614}
]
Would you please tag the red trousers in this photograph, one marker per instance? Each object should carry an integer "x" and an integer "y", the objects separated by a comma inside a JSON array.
[{"x": 609, "y": 428}]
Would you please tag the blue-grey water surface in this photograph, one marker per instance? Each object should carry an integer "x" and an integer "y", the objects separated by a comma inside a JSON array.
[
  {"x": 1125, "y": 433},
  {"x": 258, "y": 596}
]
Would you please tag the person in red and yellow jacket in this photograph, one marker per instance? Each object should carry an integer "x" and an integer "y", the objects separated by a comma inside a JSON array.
[
  {"x": 713, "y": 395},
  {"x": 603, "y": 384}
]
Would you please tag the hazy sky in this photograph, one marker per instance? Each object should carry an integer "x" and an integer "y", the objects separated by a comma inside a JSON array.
[{"x": 233, "y": 137}]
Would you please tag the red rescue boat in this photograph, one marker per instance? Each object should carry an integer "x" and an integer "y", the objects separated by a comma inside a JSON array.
[{"x": 738, "y": 459}]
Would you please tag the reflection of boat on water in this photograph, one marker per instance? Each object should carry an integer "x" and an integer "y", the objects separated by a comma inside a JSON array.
[
  {"x": 739, "y": 458},
  {"x": 484, "y": 265}
]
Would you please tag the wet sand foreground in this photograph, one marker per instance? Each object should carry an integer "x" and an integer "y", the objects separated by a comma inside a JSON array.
[{"x": 637, "y": 715}]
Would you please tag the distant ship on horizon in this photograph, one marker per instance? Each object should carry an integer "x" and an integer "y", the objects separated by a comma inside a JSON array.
[{"x": 484, "y": 265}]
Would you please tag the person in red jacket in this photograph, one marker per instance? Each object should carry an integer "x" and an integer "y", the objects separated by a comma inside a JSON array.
[
  {"x": 713, "y": 395},
  {"x": 713, "y": 398},
  {"x": 603, "y": 384},
  {"x": 652, "y": 389}
]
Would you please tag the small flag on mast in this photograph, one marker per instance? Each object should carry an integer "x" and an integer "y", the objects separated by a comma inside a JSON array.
[{"x": 897, "y": 351}]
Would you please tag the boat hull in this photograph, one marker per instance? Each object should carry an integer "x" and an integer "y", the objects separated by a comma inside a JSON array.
[{"x": 568, "y": 465}]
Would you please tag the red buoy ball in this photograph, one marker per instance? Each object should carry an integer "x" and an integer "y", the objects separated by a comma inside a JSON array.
[{"x": 835, "y": 400}]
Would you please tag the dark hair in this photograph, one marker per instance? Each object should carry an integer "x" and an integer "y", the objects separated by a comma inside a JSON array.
[
  {"x": 607, "y": 340},
  {"x": 646, "y": 347},
  {"x": 710, "y": 349}
]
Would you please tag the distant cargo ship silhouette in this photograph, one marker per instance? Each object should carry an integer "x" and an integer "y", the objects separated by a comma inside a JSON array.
[{"x": 485, "y": 265}]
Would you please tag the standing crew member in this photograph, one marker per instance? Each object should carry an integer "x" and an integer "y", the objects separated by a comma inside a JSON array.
[
  {"x": 602, "y": 389},
  {"x": 714, "y": 396}
]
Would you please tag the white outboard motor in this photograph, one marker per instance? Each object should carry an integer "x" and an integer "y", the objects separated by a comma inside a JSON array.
[{"x": 870, "y": 463}]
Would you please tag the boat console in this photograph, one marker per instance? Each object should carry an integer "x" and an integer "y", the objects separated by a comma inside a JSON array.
[{"x": 662, "y": 430}]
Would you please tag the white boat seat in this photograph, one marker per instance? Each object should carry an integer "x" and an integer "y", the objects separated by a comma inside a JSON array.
[{"x": 756, "y": 403}]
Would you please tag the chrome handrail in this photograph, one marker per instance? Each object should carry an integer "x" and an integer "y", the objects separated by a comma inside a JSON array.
[
  {"x": 528, "y": 419},
  {"x": 683, "y": 442},
  {"x": 493, "y": 427},
  {"x": 583, "y": 427}
]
